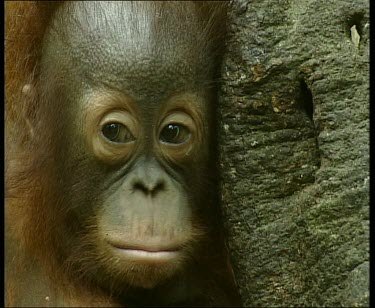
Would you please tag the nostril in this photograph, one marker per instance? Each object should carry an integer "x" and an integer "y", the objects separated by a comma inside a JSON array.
[
  {"x": 158, "y": 187},
  {"x": 149, "y": 188},
  {"x": 141, "y": 187}
]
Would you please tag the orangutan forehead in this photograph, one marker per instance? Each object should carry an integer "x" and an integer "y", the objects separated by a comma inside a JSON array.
[{"x": 112, "y": 41}]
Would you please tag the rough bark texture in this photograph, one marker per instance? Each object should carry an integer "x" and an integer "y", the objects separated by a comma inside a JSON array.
[{"x": 295, "y": 151}]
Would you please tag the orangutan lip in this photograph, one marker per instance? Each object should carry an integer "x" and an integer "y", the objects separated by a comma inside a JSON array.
[
  {"x": 151, "y": 248},
  {"x": 146, "y": 255},
  {"x": 145, "y": 250}
]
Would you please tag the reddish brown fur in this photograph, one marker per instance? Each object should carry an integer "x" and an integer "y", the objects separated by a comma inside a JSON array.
[
  {"x": 29, "y": 176},
  {"x": 25, "y": 24}
]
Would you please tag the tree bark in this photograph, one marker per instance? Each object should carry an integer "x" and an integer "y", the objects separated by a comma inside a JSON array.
[{"x": 295, "y": 151}]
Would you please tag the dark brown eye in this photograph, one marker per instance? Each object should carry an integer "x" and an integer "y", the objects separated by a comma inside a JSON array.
[
  {"x": 117, "y": 132},
  {"x": 174, "y": 134}
]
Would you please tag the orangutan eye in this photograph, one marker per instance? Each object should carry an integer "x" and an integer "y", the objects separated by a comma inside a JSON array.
[
  {"x": 175, "y": 134},
  {"x": 117, "y": 132}
]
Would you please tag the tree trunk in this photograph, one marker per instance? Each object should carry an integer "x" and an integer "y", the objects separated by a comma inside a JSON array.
[{"x": 295, "y": 151}]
